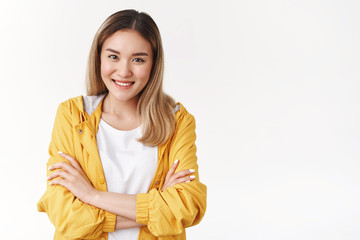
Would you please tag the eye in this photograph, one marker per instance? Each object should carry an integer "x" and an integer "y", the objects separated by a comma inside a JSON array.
[
  {"x": 138, "y": 60},
  {"x": 114, "y": 57}
]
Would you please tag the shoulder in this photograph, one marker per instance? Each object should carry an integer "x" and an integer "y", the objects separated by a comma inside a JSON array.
[
  {"x": 185, "y": 127},
  {"x": 72, "y": 104},
  {"x": 182, "y": 115},
  {"x": 82, "y": 103},
  {"x": 180, "y": 110}
]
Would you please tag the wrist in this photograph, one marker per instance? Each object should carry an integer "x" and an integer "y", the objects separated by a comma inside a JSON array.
[{"x": 94, "y": 197}]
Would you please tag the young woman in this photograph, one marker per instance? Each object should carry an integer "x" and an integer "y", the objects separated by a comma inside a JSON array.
[{"x": 123, "y": 159}]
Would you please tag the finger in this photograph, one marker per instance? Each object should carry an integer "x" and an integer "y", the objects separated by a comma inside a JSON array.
[
  {"x": 172, "y": 169},
  {"x": 183, "y": 173},
  {"x": 64, "y": 166},
  {"x": 185, "y": 179},
  {"x": 59, "y": 181},
  {"x": 61, "y": 174},
  {"x": 72, "y": 160},
  {"x": 75, "y": 164}
]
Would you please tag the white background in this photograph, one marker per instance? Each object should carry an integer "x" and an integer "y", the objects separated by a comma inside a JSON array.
[{"x": 274, "y": 86}]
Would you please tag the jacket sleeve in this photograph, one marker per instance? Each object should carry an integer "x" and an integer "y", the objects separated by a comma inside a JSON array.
[
  {"x": 71, "y": 217},
  {"x": 168, "y": 212}
]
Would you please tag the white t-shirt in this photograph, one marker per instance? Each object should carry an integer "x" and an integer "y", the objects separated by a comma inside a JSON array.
[{"x": 129, "y": 166}]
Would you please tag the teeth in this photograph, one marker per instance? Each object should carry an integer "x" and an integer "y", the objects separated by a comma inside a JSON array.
[{"x": 123, "y": 84}]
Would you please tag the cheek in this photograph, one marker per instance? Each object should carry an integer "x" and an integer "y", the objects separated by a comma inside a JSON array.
[
  {"x": 144, "y": 73},
  {"x": 105, "y": 69}
]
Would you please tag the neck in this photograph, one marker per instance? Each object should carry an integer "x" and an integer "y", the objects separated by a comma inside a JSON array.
[{"x": 121, "y": 109}]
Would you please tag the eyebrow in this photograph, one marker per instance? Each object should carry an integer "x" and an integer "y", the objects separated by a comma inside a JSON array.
[{"x": 135, "y": 54}]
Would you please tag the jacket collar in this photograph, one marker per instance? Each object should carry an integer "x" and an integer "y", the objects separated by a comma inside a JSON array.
[
  {"x": 90, "y": 103},
  {"x": 92, "y": 107}
]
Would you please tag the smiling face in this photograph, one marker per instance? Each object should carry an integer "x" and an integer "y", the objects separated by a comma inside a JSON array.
[{"x": 126, "y": 62}]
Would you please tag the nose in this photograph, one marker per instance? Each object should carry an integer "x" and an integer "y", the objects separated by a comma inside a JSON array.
[{"x": 123, "y": 69}]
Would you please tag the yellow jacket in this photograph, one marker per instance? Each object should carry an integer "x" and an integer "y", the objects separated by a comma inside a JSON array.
[{"x": 166, "y": 213}]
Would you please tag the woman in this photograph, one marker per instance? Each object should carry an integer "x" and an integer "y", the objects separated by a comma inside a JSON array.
[{"x": 123, "y": 159}]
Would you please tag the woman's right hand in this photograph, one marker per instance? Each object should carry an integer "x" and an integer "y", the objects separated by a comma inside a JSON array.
[{"x": 173, "y": 178}]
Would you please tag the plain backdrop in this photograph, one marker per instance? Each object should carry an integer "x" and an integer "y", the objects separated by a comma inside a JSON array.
[{"x": 274, "y": 87}]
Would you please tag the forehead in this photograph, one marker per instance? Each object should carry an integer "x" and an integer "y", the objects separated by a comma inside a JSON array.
[{"x": 127, "y": 41}]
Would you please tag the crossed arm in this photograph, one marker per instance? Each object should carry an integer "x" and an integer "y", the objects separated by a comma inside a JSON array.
[{"x": 72, "y": 177}]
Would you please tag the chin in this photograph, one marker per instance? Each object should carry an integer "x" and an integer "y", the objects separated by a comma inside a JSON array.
[{"x": 123, "y": 97}]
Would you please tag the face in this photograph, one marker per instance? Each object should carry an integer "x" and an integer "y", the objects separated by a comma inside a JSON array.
[{"x": 126, "y": 61}]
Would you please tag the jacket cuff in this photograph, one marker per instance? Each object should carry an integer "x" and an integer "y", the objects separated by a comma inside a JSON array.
[
  {"x": 109, "y": 222},
  {"x": 142, "y": 208}
]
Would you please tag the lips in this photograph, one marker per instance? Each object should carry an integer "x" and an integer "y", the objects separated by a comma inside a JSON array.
[{"x": 124, "y": 83}]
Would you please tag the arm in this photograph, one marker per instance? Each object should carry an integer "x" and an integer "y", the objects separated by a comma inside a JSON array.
[
  {"x": 123, "y": 223},
  {"x": 172, "y": 179},
  {"x": 125, "y": 204},
  {"x": 168, "y": 212},
  {"x": 164, "y": 212},
  {"x": 73, "y": 178},
  {"x": 70, "y": 216}
]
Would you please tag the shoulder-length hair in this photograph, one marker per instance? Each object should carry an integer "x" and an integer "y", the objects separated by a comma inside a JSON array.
[{"x": 155, "y": 108}]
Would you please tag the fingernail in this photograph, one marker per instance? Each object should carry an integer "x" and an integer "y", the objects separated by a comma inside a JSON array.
[
  {"x": 191, "y": 170},
  {"x": 50, "y": 183},
  {"x": 176, "y": 161},
  {"x": 192, "y": 177},
  {"x": 187, "y": 181},
  {"x": 60, "y": 152},
  {"x": 49, "y": 168}
]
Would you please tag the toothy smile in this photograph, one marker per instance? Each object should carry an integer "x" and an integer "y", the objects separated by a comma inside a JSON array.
[{"x": 123, "y": 84}]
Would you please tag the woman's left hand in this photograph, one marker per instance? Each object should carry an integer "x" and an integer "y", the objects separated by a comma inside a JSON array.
[{"x": 72, "y": 177}]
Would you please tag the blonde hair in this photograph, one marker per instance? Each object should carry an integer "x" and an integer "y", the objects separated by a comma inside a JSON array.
[{"x": 155, "y": 108}]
